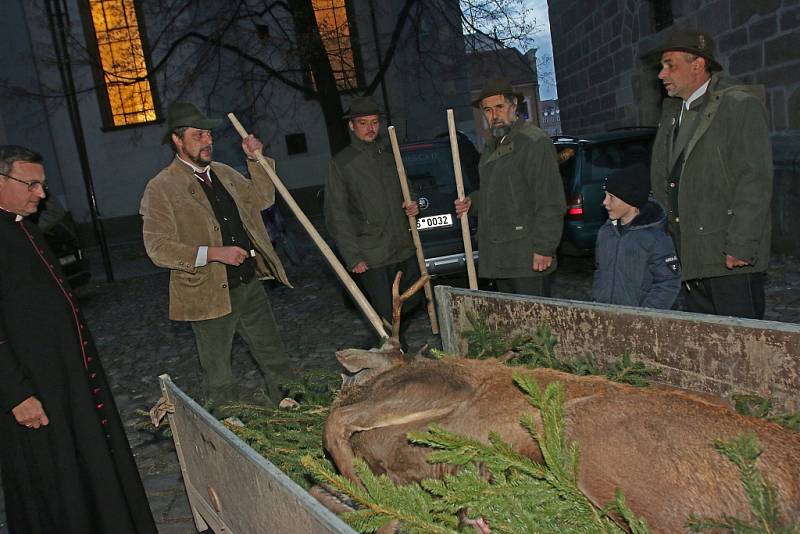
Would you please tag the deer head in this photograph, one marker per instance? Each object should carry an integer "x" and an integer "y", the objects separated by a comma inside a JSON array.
[{"x": 363, "y": 365}]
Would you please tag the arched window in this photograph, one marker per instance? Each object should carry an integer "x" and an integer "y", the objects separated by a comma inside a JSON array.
[
  {"x": 334, "y": 28},
  {"x": 122, "y": 62}
]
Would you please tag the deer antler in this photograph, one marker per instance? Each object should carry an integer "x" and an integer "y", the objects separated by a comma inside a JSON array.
[{"x": 398, "y": 300}]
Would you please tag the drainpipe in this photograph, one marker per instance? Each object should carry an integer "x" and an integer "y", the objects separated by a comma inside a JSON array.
[{"x": 56, "y": 15}]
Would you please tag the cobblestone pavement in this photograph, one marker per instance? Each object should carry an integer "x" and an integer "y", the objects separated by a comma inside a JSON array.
[{"x": 137, "y": 343}]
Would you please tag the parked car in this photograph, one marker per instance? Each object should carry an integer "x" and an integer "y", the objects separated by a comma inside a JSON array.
[
  {"x": 585, "y": 163},
  {"x": 61, "y": 234},
  {"x": 431, "y": 180}
]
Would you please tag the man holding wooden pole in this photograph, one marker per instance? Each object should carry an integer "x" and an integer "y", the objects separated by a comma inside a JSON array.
[
  {"x": 202, "y": 221},
  {"x": 365, "y": 212},
  {"x": 520, "y": 204}
]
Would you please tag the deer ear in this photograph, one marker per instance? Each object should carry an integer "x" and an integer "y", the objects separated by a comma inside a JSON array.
[{"x": 355, "y": 360}]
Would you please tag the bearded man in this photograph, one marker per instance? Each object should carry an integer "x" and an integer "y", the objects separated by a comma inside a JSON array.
[
  {"x": 520, "y": 204},
  {"x": 365, "y": 212},
  {"x": 202, "y": 221}
]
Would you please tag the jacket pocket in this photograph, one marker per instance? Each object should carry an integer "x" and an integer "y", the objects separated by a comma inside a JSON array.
[
  {"x": 503, "y": 233},
  {"x": 184, "y": 279}
]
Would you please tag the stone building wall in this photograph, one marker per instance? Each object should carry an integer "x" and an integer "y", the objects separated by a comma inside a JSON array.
[{"x": 603, "y": 84}]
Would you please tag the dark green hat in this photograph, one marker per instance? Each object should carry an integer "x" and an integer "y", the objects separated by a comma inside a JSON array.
[
  {"x": 497, "y": 86},
  {"x": 686, "y": 40},
  {"x": 182, "y": 114},
  {"x": 362, "y": 105}
]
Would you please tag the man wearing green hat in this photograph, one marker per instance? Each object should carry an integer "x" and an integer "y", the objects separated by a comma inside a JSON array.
[
  {"x": 202, "y": 221},
  {"x": 712, "y": 170},
  {"x": 365, "y": 212},
  {"x": 520, "y": 204}
]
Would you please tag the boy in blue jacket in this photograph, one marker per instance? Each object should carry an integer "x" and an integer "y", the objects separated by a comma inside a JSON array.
[{"x": 635, "y": 259}]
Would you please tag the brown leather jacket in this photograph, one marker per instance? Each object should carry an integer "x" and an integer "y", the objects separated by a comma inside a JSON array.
[{"x": 178, "y": 218}]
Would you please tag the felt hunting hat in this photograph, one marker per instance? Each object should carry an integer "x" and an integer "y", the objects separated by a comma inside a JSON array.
[
  {"x": 630, "y": 184},
  {"x": 362, "y": 105},
  {"x": 497, "y": 86},
  {"x": 686, "y": 40},
  {"x": 182, "y": 114}
]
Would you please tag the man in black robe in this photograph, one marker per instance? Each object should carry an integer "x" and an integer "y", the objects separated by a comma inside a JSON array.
[{"x": 66, "y": 463}]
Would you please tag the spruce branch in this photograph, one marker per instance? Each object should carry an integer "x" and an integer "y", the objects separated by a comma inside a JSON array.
[
  {"x": 756, "y": 406},
  {"x": 381, "y": 501},
  {"x": 743, "y": 452}
]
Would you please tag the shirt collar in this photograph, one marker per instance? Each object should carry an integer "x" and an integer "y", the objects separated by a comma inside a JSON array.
[
  {"x": 697, "y": 94},
  {"x": 193, "y": 167}
]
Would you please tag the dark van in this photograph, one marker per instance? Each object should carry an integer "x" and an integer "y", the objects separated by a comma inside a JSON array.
[{"x": 585, "y": 163}]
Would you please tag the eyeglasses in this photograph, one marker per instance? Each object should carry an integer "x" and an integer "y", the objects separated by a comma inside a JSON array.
[{"x": 32, "y": 185}]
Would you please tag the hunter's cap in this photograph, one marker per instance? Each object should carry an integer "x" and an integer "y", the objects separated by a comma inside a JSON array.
[
  {"x": 182, "y": 114},
  {"x": 686, "y": 40},
  {"x": 361, "y": 106},
  {"x": 497, "y": 86}
]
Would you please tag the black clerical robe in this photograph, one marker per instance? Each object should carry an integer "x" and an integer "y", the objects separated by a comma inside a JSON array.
[{"x": 77, "y": 474}]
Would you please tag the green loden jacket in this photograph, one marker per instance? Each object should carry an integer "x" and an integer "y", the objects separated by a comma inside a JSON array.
[
  {"x": 520, "y": 204},
  {"x": 726, "y": 186},
  {"x": 178, "y": 219},
  {"x": 363, "y": 206}
]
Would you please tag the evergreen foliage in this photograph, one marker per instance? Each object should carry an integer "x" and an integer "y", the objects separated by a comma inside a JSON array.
[
  {"x": 537, "y": 348},
  {"x": 743, "y": 452},
  {"x": 756, "y": 406},
  {"x": 284, "y": 436}
]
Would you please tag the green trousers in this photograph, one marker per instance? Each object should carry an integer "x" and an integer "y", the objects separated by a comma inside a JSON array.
[{"x": 252, "y": 318}]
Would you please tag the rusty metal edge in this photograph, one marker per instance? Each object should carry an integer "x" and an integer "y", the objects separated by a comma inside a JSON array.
[
  {"x": 446, "y": 294},
  {"x": 444, "y": 306},
  {"x": 204, "y": 514},
  {"x": 195, "y": 501}
]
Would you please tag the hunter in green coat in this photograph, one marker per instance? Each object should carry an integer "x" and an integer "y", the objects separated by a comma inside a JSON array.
[
  {"x": 365, "y": 212},
  {"x": 712, "y": 170},
  {"x": 520, "y": 204}
]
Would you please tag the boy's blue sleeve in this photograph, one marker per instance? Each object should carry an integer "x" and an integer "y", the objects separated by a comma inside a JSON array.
[{"x": 666, "y": 272}]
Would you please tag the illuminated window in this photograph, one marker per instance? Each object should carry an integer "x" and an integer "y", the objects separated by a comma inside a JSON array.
[
  {"x": 334, "y": 29},
  {"x": 122, "y": 59}
]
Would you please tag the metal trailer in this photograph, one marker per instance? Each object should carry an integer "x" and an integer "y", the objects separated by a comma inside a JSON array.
[
  {"x": 232, "y": 489},
  {"x": 718, "y": 355}
]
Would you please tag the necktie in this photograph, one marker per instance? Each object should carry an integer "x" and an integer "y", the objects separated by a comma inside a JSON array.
[
  {"x": 203, "y": 175},
  {"x": 678, "y": 124}
]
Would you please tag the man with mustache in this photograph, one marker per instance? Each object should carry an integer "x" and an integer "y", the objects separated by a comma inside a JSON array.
[
  {"x": 67, "y": 466},
  {"x": 712, "y": 171},
  {"x": 520, "y": 204},
  {"x": 365, "y": 212},
  {"x": 202, "y": 221}
]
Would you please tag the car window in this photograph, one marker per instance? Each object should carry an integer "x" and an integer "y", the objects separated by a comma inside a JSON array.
[
  {"x": 566, "y": 165},
  {"x": 600, "y": 160}
]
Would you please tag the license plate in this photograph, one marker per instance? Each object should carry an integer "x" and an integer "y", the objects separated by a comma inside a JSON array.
[{"x": 435, "y": 221}]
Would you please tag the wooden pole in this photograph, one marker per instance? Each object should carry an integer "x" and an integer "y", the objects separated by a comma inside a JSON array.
[
  {"x": 412, "y": 224},
  {"x": 465, "y": 235},
  {"x": 344, "y": 276}
]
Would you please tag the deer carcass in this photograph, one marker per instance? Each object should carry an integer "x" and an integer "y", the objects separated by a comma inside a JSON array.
[{"x": 654, "y": 443}]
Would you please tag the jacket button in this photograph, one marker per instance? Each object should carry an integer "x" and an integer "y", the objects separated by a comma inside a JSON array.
[
  {"x": 224, "y": 286},
  {"x": 216, "y": 228},
  {"x": 677, "y": 219},
  {"x": 700, "y": 228}
]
